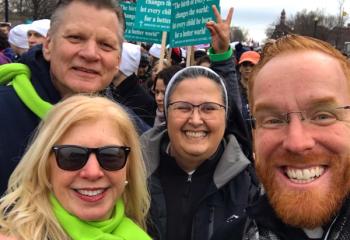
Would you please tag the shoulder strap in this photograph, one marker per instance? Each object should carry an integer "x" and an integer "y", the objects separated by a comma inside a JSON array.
[{"x": 18, "y": 75}]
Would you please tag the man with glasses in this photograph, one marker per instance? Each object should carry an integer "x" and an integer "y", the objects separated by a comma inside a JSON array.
[{"x": 299, "y": 97}]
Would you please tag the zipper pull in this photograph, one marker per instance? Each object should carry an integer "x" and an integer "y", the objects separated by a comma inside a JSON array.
[{"x": 189, "y": 178}]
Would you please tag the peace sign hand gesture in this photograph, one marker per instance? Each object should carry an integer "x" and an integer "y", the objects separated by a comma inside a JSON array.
[{"x": 220, "y": 31}]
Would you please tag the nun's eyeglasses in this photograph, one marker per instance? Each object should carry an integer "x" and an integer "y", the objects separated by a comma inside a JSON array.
[{"x": 207, "y": 110}]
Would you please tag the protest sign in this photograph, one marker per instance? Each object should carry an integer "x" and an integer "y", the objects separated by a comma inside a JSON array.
[
  {"x": 153, "y": 15},
  {"x": 137, "y": 35},
  {"x": 188, "y": 22}
]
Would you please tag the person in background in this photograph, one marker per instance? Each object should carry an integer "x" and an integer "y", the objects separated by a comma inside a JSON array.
[
  {"x": 125, "y": 86},
  {"x": 198, "y": 175},
  {"x": 4, "y": 44},
  {"x": 160, "y": 83},
  {"x": 5, "y": 27},
  {"x": 144, "y": 71},
  {"x": 154, "y": 52},
  {"x": 37, "y": 32},
  {"x": 203, "y": 61},
  {"x": 18, "y": 40},
  {"x": 176, "y": 56},
  {"x": 81, "y": 178},
  {"x": 155, "y": 70},
  {"x": 71, "y": 60},
  {"x": 299, "y": 96},
  {"x": 199, "y": 53},
  {"x": 246, "y": 63}
]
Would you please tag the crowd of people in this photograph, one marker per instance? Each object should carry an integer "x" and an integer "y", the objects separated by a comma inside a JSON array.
[{"x": 105, "y": 139}]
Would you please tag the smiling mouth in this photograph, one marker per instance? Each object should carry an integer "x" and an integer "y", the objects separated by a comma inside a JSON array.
[
  {"x": 90, "y": 193},
  {"x": 86, "y": 70},
  {"x": 198, "y": 134},
  {"x": 305, "y": 175}
]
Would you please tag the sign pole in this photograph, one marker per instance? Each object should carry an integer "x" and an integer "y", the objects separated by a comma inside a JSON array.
[
  {"x": 188, "y": 56},
  {"x": 168, "y": 57},
  {"x": 162, "y": 51}
]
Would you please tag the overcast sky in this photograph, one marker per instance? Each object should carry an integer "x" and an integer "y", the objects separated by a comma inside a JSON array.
[{"x": 256, "y": 15}]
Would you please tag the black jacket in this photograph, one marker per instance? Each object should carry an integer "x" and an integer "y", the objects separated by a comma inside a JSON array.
[
  {"x": 17, "y": 122},
  {"x": 235, "y": 123},
  {"x": 261, "y": 223},
  {"x": 132, "y": 95}
]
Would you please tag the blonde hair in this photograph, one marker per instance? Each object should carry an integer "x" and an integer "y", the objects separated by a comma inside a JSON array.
[
  {"x": 25, "y": 210},
  {"x": 294, "y": 43}
]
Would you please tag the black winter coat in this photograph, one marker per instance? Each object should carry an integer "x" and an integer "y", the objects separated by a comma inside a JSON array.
[
  {"x": 17, "y": 122},
  {"x": 261, "y": 223},
  {"x": 135, "y": 97},
  {"x": 235, "y": 123}
]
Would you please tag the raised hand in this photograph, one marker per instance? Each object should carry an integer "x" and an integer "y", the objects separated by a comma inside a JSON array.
[{"x": 220, "y": 31}]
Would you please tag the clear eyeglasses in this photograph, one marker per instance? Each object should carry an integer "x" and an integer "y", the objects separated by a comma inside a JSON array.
[
  {"x": 207, "y": 110},
  {"x": 319, "y": 116}
]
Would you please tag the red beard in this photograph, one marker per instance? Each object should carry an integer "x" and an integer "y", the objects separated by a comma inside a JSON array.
[{"x": 306, "y": 209}]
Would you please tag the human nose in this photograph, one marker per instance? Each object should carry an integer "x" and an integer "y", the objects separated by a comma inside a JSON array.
[
  {"x": 91, "y": 169},
  {"x": 298, "y": 137},
  {"x": 89, "y": 51},
  {"x": 31, "y": 39},
  {"x": 159, "y": 96},
  {"x": 195, "y": 117}
]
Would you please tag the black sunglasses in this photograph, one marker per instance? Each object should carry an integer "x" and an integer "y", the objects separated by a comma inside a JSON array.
[{"x": 73, "y": 157}]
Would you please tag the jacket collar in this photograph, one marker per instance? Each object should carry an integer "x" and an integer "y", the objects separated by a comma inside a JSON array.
[
  {"x": 265, "y": 217},
  {"x": 41, "y": 77}
]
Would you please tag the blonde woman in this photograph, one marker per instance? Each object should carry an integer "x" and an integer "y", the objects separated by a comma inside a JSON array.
[{"x": 82, "y": 178}]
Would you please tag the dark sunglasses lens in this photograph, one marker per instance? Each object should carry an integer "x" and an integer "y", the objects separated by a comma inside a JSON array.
[
  {"x": 71, "y": 158},
  {"x": 112, "y": 158}
]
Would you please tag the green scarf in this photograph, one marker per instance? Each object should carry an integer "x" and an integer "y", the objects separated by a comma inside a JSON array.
[
  {"x": 118, "y": 227},
  {"x": 18, "y": 76}
]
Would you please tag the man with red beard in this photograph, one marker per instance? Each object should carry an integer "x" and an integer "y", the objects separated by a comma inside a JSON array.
[{"x": 300, "y": 100}]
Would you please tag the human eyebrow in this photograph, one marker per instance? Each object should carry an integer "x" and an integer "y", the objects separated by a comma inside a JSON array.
[
  {"x": 266, "y": 108},
  {"x": 326, "y": 102}
]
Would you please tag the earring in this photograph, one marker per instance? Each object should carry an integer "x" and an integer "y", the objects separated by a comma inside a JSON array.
[{"x": 126, "y": 182}]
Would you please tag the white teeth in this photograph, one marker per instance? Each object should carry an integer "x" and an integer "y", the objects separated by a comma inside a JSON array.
[
  {"x": 195, "y": 134},
  {"x": 90, "y": 192},
  {"x": 304, "y": 175}
]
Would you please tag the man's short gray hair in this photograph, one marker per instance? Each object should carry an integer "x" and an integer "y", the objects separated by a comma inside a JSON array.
[{"x": 112, "y": 5}]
